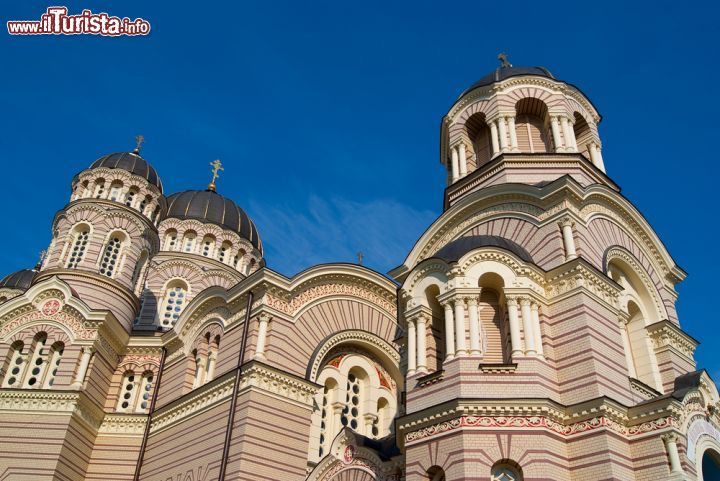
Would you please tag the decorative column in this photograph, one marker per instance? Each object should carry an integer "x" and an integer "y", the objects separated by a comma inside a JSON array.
[
  {"x": 463, "y": 159},
  {"x": 567, "y": 134},
  {"x": 626, "y": 346},
  {"x": 264, "y": 320},
  {"x": 596, "y": 156},
  {"x": 528, "y": 327},
  {"x": 421, "y": 344},
  {"x": 513, "y": 134},
  {"x": 474, "y": 325},
  {"x": 535, "y": 311},
  {"x": 557, "y": 140},
  {"x": 212, "y": 360},
  {"x": 454, "y": 164},
  {"x": 449, "y": 332},
  {"x": 87, "y": 352},
  {"x": 337, "y": 409},
  {"x": 670, "y": 440},
  {"x": 568, "y": 239},
  {"x": 460, "y": 346},
  {"x": 411, "y": 347},
  {"x": 369, "y": 419},
  {"x": 199, "y": 371},
  {"x": 494, "y": 139},
  {"x": 503, "y": 134},
  {"x": 514, "y": 322}
]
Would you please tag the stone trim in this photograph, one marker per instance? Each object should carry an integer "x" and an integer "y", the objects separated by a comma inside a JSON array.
[
  {"x": 498, "y": 368},
  {"x": 665, "y": 334},
  {"x": 123, "y": 424}
]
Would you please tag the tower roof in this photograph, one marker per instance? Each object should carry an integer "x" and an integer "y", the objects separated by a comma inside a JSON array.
[
  {"x": 506, "y": 71},
  {"x": 131, "y": 162},
  {"x": 209, "y": 206},
  {"x": 18, "y": 280}
]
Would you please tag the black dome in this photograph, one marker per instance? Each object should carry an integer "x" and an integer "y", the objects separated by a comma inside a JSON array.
[
  {"x": 209, "y": 206},
  {"x": 18, "y": 280},
  {"x": 502, "y": 73},
  {"x": 133, "y": 163},
  {"x": 453, "y": 251}
]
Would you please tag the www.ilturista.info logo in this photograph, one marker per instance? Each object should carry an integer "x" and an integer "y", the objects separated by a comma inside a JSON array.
[{"x": 56, "y": 21}]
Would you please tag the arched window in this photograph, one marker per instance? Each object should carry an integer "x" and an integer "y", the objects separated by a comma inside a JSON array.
[
  {"x": 224, "y": 250},
  {"x": 436, "y": 473},
  {"x": 479, "y": 134},
  {"x": 128, "y": 392},
  {"x": 189, "y": 241},
  {"x": 710, "y": 465},
  {"x": 37, "y": 363},
  {"x": 238, "y": 260},
  {"x": 81, "y": 237},
  {"x": 173, "y": 303},
  {"x": 144, "y": 203},
  {"x": 56, "y": 352},
  {"x": 130, "y": 196},
  {"x": 639, "y": 310},
  {"x": 111, "y": 256},
  {"x": 506, "y": 471},
  {"x": 531, "y": 128},
  {"x": 171, "y": 236},
  {"x": 359, "y": 394},
  {"x": 116, "y": 191},
  {"x": 143, "y": 399},
  {"x": 99, "y": 188},
  {"x": 16, "y": 365},
  {"x": 583, "y": 134},
  {"x": 252, "y": 266},
  {"x": 205, "y": 358},
  {"x": 208, "y": 245}
]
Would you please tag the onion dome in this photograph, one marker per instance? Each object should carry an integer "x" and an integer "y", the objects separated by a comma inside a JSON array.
[
  {"x": 209, "y": 206},
  {"x": 131, "y": 162},
  {"x": 18, "y": 280},
  {"x": 507, "y": 70}
]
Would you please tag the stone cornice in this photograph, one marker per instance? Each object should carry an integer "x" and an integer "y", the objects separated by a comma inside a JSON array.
[
  {"x": 255, "y": 376},
  {"x": 578, "y": 273},
  {"x": 123, "y": 425},
  {"x": 666, "y": 334}
]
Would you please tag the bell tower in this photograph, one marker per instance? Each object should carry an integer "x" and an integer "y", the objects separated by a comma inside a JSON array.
[{"x": 520, "y": 125}]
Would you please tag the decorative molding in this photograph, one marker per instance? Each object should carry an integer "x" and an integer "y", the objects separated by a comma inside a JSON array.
[
  {"x": 576, "y": 275},
  {"x": 498, "y": 368},
  {"x": 123, "y": 424},
  {"x": 430, "y": 379},
  {"x": 666, "y": 334},
  {"x": 536, "y": 422},
  {"x": 263, "y": 377}
]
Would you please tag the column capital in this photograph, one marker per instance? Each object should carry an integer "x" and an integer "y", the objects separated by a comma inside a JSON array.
[
  {"x": 88, "y": 349},
  {"x": 524, "y": 301},
  {"x": 472, "y": 300},
  {"x": 337, "y": 407},
  {"x": 670, "y": 437},
  {"x": 512, "y": 300},
  {"x": 369, "y": 417},
  {"x": 566, "y": 221},
  {"x": 534, "y": 305},
  {"x": 265, "y": 317}
]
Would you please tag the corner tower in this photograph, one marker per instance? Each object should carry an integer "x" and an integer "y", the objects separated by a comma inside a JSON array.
[{"x": 540, "y": 330}]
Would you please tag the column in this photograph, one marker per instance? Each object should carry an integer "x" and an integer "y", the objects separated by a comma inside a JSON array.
[
  {"x": 494, "y": 138},
  {"x": 449, "y": 332},
  {"x": 528, "y": 327},
  {"x": 474, "y": 325},
  {"x": 670, "y": 440},
  {"x": 337, "y": 408},
  {"x": 199, "y": 371},
  {"x": 598, "y": 158},
  {"x": 421, "y": 344},
  {"x": 556, "y": 134},
  {"x": 411, "y": 347},
  {"x": 573, "y": 139},
  {"x": 264, "y": 320},
  {"x": 513, "y": 134},
  {"x": 567, "y": 134},
  {"x": 463, "y": 159},
  {"x": 503, "y": 134},
  {"x": 514, "y": 327},
  {"x": 535, "y": 310},
  {"x": 460, "y": 346},
  {"x": 454, "y": 164},
  {"x": 212, "y": 360},
  {"x": 82, "y": 368},
  {"x": 568, "y": 240},
  {"x": 31, "y": 362},
  {"x": 626, "y": 348}
]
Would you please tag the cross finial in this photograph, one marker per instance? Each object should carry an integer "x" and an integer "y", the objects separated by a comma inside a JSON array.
[
  {"x": 216, "y": 168},
  {"x": 504, "y": 63},
  {"x": 139, "y": 140},
  {"x": 43, "y": 255},
  {"x": 360, "y": 257}
]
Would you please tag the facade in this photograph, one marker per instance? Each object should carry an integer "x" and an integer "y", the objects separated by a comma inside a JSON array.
[{"x": 530, "y": 334}]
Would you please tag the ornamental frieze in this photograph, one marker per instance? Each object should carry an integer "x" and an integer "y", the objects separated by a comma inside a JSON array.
[
  {"x": 76, "y": 327},
  {"x": 537, "y": 422},
  {"x": 326, "y": 290}
]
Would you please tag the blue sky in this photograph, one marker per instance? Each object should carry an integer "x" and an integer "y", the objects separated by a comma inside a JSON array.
[{"x": 326, "y": 116}]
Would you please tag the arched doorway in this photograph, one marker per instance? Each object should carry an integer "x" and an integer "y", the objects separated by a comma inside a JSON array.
[{"x": 711, "y": 465}]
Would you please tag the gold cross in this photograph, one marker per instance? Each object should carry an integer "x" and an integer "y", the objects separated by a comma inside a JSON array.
[
  {"x": 216, "y": 168},
  {"x": 504, "y": 63},
  {"x": 139, "y": 140},
  {"x": 360, "y": 257}
]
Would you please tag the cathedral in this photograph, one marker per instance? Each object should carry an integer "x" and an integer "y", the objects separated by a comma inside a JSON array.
[{"x": 530, "y": 334}]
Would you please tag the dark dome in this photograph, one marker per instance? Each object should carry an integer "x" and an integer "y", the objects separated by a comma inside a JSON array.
[
  {"x": 209, "y": 206},
  {"x": 502, "y": 73},
  {"x": 453, "y": 251},
  {"x": 133, "y": 163},
  {"x": 18, "y": 280}
]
